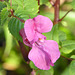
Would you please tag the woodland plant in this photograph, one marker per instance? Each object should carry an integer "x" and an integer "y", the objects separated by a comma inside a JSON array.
[{"x": 38, "y": 35}]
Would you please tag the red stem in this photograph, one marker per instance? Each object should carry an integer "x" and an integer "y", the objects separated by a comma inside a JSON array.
[
  {"x": 67, "y": 58},
  {"x": 56, "y": 12},
  {"x": 39, "y": 6},
  {"x": 2, "y": 0},
  {"x": 23, "y": 51},
  {"x": 23, "y": 21},
  {"x": 56, "y": 18},
  {"x": 65, "y": 15},
  {"x": 52, "y": 3}
]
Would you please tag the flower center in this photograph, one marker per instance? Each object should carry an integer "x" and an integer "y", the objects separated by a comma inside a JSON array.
[{"x": 41, "y": 40}]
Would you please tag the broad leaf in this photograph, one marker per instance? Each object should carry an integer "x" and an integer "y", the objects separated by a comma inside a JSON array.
[
  {"x": 26, "y": 7},
  {"x": 14, "y": 26},
  {"x": 72, "y": 68},
  {"x": 68, "y": 46}
]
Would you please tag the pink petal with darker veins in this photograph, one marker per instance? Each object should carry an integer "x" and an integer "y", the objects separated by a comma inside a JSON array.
[
  {"x": 29, "y": 29},
  {"x": 43, "y": 24},
  {"x": 25, "y": 40},
  {"x": 40, "y": 58},
  {"x": 52, "y": 48},
  {"x": 37, "y": 36}
]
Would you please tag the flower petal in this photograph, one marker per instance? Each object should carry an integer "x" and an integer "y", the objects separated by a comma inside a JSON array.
[
  {"x": 51, "y": 47},
  {"x": 44, "y": 24},
  {"x": 40, "y": 58},
  {"x": 38, "y": 36},
  {"x": 25, "y": 40},
  {"x": 29, "y": 29}
]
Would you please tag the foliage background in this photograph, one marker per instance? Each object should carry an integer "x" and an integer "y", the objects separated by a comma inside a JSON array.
[{"x": 11, "y": 60}]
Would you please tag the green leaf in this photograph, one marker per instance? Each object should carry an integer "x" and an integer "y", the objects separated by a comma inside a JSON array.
[
  {"x": 32, "y": 65},
  {"x": 14, "y": 26},
  {"x": 45, "y": 72},
  {"x": 73, "y": 4},
  {"x": 2, "y": 5},
  {"x": 70, "y": 70},
  {"x": 26, "y": 7},
  {"x": 8, "y": 37},
  {"x": 0, "y": 19},
  {"x": 62, "y": 36},
  {"x": 66, "y": 71},
  {"x": 68, "y": 42},
  {"x": 43, "y": 1},
  {"x": 4, "y": 15},
  {"x": 73, "y": 57},
  {"x": 48, "y": 4},
  {"x": 53, "y": 34},
  {"x": 68, "y": 46}
]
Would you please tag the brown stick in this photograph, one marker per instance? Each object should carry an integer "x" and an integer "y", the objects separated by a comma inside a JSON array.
[
  {"x": 67, "y": 58},
  {"x": 10, "y": 2},
  {"x": 56, "y": 12},
  {"x": 56, "y": 18},
  {"x": 2, "y": 0},
  {"x": 23, "y": 51}
]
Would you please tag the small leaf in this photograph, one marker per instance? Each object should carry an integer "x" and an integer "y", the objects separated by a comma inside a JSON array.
[
  {"x": 45, "y": 72},
  {"x": 67, "y": 46},
  {"x": 14, "y": 26},
  {"x": 4, "y": 15},
  {"x": 73, "y": 57},
  {"x": 32, "y": 65}
]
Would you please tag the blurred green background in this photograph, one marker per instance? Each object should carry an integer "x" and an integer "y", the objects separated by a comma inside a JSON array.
[{"x": 11, "y": 60}]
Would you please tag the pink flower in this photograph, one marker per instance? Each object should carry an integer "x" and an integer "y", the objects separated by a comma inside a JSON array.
[
  {"x": 44, "y": 52},
  {"x": 34, "y": 27}
]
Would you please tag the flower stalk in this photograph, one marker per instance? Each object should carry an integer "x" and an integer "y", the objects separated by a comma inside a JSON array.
[{"x": 56, "y": 11}]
